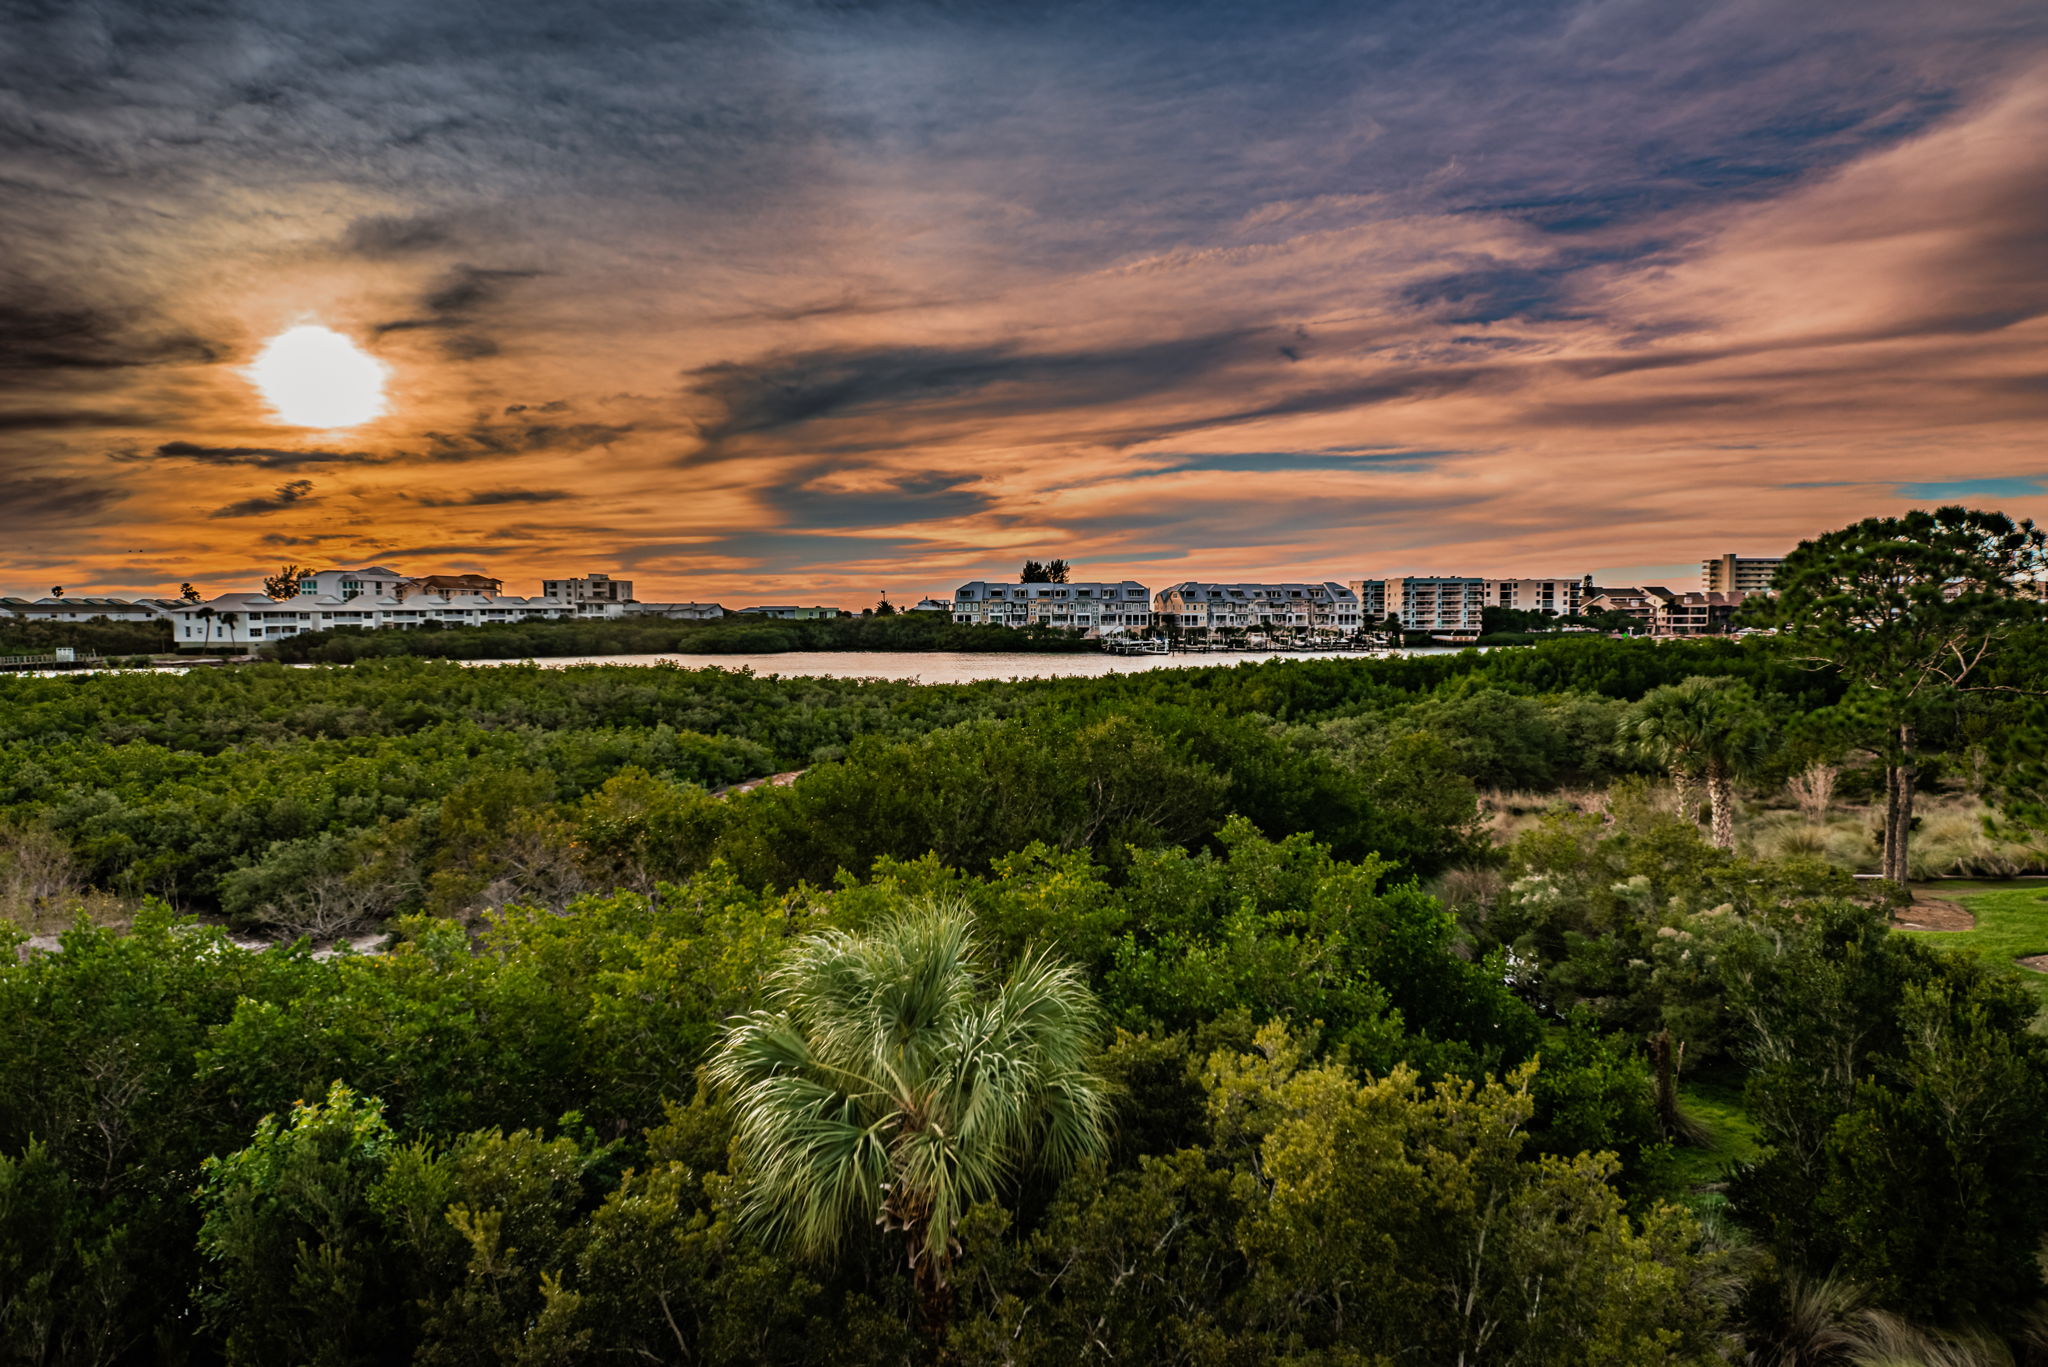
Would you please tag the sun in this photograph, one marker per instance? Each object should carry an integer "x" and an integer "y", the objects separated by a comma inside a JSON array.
[{"x": 313, "y": 376}]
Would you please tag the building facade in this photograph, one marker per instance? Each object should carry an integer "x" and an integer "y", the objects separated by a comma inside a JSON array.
[
  {"x": 1439, "y": 604},
  {"x": 1695, "y": 614},
  {"x": 1739, "y": 573},
  {"x": 786, "y": 612},
  {"x": 1099, "y": 609},
  {"x": 89, "y": 609},
  {"x": 1197, "y": 605},
  {"x": 591, "y": 588},
  {"x": 1556, "y": 597},
  {"x": 254, "y": 619},
  {"x": 683, "y": 612}
]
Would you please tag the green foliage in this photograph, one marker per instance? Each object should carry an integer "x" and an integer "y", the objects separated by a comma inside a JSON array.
[{"x": 891, "y": 1079}]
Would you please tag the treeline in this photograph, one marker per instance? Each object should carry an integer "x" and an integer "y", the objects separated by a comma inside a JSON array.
[
  {"x": 269, "y": 793},
  {"x": 30, "y": 636},
  {"x": 914, "y": 631}
]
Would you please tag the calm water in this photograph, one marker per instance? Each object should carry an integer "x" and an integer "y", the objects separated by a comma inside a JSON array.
[{"x": 936, "y": 666}]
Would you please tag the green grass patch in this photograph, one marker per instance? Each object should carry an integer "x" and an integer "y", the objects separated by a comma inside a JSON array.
[
  {"x": 1693, "y": 1174},
  {"x": 2012, "y": 923}
]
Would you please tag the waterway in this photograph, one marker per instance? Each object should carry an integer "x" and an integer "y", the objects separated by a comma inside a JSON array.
[{"x": 940, "y": 667}]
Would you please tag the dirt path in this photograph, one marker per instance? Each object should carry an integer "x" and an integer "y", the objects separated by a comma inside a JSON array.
[
  {"x": 1934, "y": 913},
  {"x": 2037, "y": 962}
]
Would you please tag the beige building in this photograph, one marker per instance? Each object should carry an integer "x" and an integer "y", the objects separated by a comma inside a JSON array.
[
  {"x": 1558, "y": 597},
  {"x": 1440, "y": 604},
  {"x": 591, "y": 588},
  {"x": 1739, "y": 573}
]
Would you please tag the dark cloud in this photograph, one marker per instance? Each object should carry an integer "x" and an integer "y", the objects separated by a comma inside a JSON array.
[
  {"x": 484, "y": 439},
  {"x": 456, "y": 305},
  {"x": 384, "y": 236},
  {"x": 310, "y": 539},
  {"x": 787, "y": 390},
  {"x": 289, "y": 494},
  {"x": 64, "y": 500},
  {"x": 258, "y": 457},
  {"x": 800, "y": 503},
  {"x": 42, "y": 338},
  {"x": 491, "y": 498}
]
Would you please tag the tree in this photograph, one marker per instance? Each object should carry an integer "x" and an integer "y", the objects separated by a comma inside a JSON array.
[
  {"x": 885, "y": 608},
  {"x": 1032, "y": 573},
  {"x": 1056, "y": 571},
  {"x": 56, "y": 590},
  {"x": 892, "y": 1080},
  {"x": 188, "y": 593},
  {"x": 1910, "y": 611},
  {"x": 1707, "y": 728},
  {"x": 285, "y": 583}
]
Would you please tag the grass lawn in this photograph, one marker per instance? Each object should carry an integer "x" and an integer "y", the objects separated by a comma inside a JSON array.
[{"x": 2012, "y": 923}]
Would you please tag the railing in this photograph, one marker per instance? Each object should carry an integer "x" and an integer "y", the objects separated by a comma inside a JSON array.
[{"x": 45, "y": 661}]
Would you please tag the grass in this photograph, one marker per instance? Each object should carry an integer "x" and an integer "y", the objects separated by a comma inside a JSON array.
[
  {"x": 1694, "y": 1173},
  {"x": 2012, "y": 923}
]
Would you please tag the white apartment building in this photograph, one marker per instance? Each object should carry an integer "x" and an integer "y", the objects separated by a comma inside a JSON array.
[
  {"x": 374, "y": 598},
  {"x": 682, "y": 612},
  {"x": 591, "y": 588},
  {"x": 1235, "y": 607},
  {"x": 1099, "y": 609},
  {"x": 1739, "y": 573},
  {"x": 88, "y": 609},
  {"x": 1557, "y": 597},
  {"x": 1442, "y": 605}
]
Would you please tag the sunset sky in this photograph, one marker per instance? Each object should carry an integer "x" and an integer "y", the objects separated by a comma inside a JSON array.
[{"x": 750, "y": 300}]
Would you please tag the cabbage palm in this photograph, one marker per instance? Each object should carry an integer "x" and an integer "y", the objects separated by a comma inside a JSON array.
[
  {"x": 892, "y": 1080},
  {"x": 1702, "y": 727}
]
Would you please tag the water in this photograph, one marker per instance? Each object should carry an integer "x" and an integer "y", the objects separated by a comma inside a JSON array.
[{"x": 937, "y": 667}]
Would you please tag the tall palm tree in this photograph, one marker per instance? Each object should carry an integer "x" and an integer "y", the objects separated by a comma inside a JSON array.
[
  {"x": 893, "y": 1080},
  {"x": 1702, "y": 727}
]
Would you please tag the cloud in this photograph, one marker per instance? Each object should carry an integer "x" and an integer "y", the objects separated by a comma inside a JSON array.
[
  {"x": 384, "y": 236},
  {"x": 455, "y": 304},
  {"x": 483, "y": 440},
  {"x": 258, "y": 457},
  {"x": 488, "y": 498},
  {"x": 44, "y": 338},
  {"x": 288, "y": 495},
  {"x": 34, "y": 500}
]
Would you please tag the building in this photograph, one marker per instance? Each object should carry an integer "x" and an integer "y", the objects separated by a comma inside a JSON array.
[
  {"x": 591, "y": 588},
  {"x": 932, "y": 605},
  {"x": 375, "y": 581},
  {"x": 1554, "y": 597},
  {"x": 685, "y": 612},
  {"x": 1438, "y": 604},
  {"x": 88, "y": 609},
  {"x": 1099, "y": 609},
  {"x": 1196, "y": 605},
  {"x": 1639, "y": 604},
  {"x": 786, "y": 613},
  {"x": 1739, "y": 573},
  {"x": 480, "y": 584},
  {"x": 1694, "y": 614},
  {"x": 253, "y": 619}
]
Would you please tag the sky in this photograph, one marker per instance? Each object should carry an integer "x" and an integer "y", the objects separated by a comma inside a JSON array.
[{"x": 761, "y": 299}]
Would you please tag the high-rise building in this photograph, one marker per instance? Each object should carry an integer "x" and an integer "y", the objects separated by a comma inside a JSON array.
[
  {"x": 1440, "y": 604},
  {"x": 1558, "y": 597},
  {"x": 1739, "y": 573},
  {"x": 591, "y": 588}
]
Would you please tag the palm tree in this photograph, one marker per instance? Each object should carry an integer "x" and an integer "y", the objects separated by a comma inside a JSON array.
[
  {"x": 894, "y": 1081},
  {"x": 1700, "y": 727}
]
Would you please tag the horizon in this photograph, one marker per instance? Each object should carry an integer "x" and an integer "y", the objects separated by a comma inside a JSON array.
[{"x": 803, "y": 303}]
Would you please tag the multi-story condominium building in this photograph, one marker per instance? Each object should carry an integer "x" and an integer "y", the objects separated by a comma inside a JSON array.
[
  {"x": 1694, "y": 614},
  {"x": 251, "y": 619},
  {"x": 1739, "y": 573},
  {"x": 374, "y": 581},
  {"x": 1098, "y": 608},
  {"x": 1442, "y": 605},
  {"x": 591, "y": 588},
  {"x": 1641, "y": 604},
  {"x": 1237, "y": 607},
  {"x": 1558, "y": 597}
]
